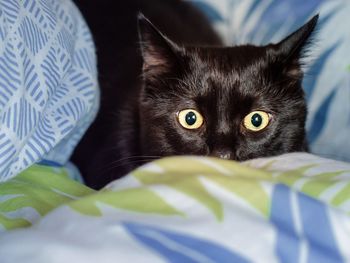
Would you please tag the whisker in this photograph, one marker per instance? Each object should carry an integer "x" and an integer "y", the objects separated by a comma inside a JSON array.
[
  {"x": 134, "y": 157},
  {"x": 127, "y": 160},
  {"x": 106, "y": 169}
]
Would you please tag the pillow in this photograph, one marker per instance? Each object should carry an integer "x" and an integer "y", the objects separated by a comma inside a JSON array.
[{"x": 48, "y": 82}]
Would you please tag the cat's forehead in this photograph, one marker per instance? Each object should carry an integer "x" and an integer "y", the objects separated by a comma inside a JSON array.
[
  {"x": 228, "y": 59},
  {"x": 228, "y": 67}
]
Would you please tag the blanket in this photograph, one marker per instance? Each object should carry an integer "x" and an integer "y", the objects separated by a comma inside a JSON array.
[{"x": 290, "y": 208}]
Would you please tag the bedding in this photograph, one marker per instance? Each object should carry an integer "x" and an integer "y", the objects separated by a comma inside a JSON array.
[
  {"x": 48, "y": 83},
  {"x": 290, "y": 208}
]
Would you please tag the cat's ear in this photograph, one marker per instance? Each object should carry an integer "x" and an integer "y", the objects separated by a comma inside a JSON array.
[
  {"x": 292, "y": 49},
  {"x": 158, "y": 52}
]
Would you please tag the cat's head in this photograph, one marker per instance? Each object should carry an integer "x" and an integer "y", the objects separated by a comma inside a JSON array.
[{"x": 236, "y": 103}]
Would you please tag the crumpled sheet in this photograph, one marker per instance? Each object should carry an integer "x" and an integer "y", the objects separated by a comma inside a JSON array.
[{"x": 291, "y": 208}]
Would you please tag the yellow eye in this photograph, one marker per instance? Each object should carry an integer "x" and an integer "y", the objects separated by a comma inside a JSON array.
[
  {"x": 256, "y": 120},
  {"x": 190, "y": 119}
]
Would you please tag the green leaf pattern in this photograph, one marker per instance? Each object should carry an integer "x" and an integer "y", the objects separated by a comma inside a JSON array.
[
  {"x": 139, "y": 200},
  {"x": 43, "y": 188},
  {"x": 184, "y": 174},
  {"x": 40, "y": 188}
]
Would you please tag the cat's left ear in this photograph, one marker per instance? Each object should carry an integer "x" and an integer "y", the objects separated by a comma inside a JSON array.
[
  {"x": 292, "y": 49},
  {"x": 158, "y": 52}
]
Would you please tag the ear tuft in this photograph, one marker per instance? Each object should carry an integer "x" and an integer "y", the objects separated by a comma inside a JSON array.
[
  {"x": 292, "y": 49},
  {"x": 158, "y": 51},
  {"x": 297, "y": 41}
]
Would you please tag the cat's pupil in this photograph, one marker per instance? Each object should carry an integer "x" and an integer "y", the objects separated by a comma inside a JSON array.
[
  {"x": 257, "y": 120},
  {"x": 191, "y": 118}
]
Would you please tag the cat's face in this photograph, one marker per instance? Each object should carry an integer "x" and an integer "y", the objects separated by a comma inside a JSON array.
[{"x": 235, "y": 103}]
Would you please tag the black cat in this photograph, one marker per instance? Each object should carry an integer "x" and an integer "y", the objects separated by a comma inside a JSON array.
[{"x": 230, "y": 102}]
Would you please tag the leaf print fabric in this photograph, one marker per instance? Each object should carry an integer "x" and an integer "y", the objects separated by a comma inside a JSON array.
[
  {"x": 289, "y": 208},
  {"x": 48, "y": 82}
]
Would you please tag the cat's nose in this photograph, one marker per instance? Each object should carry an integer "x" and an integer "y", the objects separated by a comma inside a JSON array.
[{"x": 223, "y": 154}]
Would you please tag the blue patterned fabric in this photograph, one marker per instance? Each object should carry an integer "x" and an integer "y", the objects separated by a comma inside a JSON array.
[
  {"x": 327, "y": 78},
  {"x": 206, "y": 250},
  {"x": 48, "y": 85},
  {"x": 292, "y": 208}
]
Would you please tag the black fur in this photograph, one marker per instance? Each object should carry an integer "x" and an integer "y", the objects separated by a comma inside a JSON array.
[{"x": 223, "y": 83}]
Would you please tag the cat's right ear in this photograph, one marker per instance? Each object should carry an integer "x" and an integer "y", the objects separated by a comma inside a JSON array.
[
  {"x": 158, "y": 52},
  {"x": 292, "y": 49}
]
